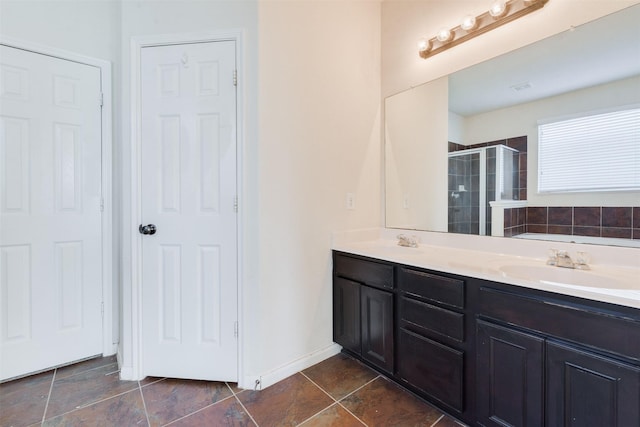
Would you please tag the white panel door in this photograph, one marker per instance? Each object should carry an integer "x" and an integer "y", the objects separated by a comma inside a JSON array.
[
  {"x": 188, "y": 168},
  {"x": 50, "y": 219}
]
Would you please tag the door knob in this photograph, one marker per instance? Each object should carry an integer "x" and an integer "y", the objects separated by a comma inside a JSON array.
[{"x": 147, "y": 229}]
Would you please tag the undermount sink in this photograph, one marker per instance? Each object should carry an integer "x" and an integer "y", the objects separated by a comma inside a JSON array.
[{"x": 564, "y": 276}]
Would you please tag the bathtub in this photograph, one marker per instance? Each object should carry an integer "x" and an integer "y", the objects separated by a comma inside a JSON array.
[{"x": 581, "y": 239}]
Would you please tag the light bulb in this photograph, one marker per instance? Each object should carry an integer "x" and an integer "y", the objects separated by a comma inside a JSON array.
[
  {"x": 424, "y": 45},
  {"x": 498, "y": 8},
  {"x": 444, "y": 35},
  {"x": 468, "y": 23}
]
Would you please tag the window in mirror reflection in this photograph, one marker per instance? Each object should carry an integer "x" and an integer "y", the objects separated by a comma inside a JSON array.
[{"x": 590, "y": 153}]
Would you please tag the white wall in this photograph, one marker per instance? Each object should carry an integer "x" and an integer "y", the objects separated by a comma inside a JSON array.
[
  {"x": 319, "y": 130},
  {"x": 416, "y": 132},
  {"x": 404, "y": 22},
  {"x": 84, "y": 27},
  {"x": 312, "y": 133},
  {"x": 523, "y": 120}
]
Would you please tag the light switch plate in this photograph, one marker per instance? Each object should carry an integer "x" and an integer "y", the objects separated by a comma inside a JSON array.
[{"x": 350, "y": 201}]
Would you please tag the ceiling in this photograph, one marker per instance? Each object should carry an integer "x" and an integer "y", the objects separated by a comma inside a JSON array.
[{"x": 598, "y": 52}]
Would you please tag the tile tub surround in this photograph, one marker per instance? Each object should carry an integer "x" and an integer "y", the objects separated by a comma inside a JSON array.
[
  {"x": 481, "y": 257},
  {"x": 519, "y": 143},
  {"x": 613, "y": 222},
  {"x": 515, "y": 221},
  {"x": 339, "y": 391}
]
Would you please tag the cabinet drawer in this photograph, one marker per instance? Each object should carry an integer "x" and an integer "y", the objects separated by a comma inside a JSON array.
[
  {"x": 428, "y": 319},
  {"x": 432, "y": 287},
  {"x": 572, "y": 321},
  {"x": 435, "y": 369},
  {"x": 363, "y": 271}
]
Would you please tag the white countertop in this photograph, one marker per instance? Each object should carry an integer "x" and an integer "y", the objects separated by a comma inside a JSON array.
[{"x": 612, "y": 282}]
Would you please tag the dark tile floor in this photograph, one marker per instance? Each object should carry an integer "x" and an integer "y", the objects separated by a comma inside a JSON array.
[{"x": 337, "y": 392}]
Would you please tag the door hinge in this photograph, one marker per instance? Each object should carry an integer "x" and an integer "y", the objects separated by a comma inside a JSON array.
[
  {"x": 101, "y": 99},
  {"x": 101, "y": 204},
  {"x": 102, "y": 309},
  {"x": 235, "y": 204},
  {"x": 235, "y": 77},
  {"x": 235, "y": 329}
]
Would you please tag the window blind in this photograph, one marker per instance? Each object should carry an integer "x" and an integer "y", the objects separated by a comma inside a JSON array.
[{"x": 592, "y": 153}]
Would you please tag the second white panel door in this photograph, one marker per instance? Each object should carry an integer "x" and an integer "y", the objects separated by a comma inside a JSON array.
[
  {"x": 188, "y": 167},
  {"x": 50, "y": 218}
]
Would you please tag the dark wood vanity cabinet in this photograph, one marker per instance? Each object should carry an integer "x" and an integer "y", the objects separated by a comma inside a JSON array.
[
  {"x": 553, "y": 360},
  {"x": 363, "y": 309},
  {"x": 489, "y": 353},
  {"x": 583, "y": 388}
]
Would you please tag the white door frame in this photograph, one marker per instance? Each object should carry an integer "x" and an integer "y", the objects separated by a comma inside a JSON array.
[
  {"x": 108, "y": 346},
  {"x": 133, "y": 299}
]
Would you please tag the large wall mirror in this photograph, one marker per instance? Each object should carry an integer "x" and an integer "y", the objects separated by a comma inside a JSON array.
[{"x": 461, "y": 152}]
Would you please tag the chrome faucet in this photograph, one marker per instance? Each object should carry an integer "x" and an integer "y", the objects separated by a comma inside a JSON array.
[
  {"x": 562, "y": 259},
  {"x": 408, "y": 241}
]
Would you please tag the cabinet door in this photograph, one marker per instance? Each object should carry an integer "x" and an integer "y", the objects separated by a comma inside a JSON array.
[
  {"x": 434, "y": 368},
  {"x": 346, "y": 314},
  {"x": 376, "y": 312},
  {"x": 510, "y": 376},
  {"x": 585, "y": 389}
]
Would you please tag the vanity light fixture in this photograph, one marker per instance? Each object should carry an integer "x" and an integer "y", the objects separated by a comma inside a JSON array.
[
  {"x": 424, "y": 44},
  {"x": 469, "y": 23},
  {"x": 444, "y": 35},
  {"x": 501, "y": 12},
  {"x": 498, "y": 9}
]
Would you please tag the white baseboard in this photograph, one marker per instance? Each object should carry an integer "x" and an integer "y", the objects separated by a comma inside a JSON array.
[
  {"x": 126, "y": 372},
  {"x": 271, "y": 377}
]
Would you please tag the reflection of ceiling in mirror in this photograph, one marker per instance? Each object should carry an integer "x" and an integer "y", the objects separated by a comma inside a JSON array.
[{"x": 601, "y": 51}]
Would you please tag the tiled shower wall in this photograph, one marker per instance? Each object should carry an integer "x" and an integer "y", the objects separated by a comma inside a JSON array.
[
  {"x": 463, "y": 215},
  {"x": 519, "y": 143},
  {"x": 616, "y": 222}
]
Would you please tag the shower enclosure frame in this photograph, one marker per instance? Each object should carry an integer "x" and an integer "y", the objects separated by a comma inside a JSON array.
[{"x": 499, "y": 181}]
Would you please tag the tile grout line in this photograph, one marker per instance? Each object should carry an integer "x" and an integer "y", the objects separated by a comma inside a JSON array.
[
  {"x": 196, "y": 411},
  {"x": 353, "y": 392},
  {"x": 338, "y": 401},
  {"x": 335, "y": 403},
  {"x": 106, "y": 398},
  {"x": 144, "y": 404},
  {"x": 322, "y": 390},
  {"x": 241, "y": 404},
  {"x": 90, "y": 369},
  {"x": 362, "y": 386},
  {"x": 77, "y": 408},
  {"x": 46, "y": 406},
  {"x": 438, "y": 420},
  {"x": 152, "y": 382}
]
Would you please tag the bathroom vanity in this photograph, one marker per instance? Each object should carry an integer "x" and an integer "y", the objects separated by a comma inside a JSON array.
[{"x": 489, "y": 353}]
